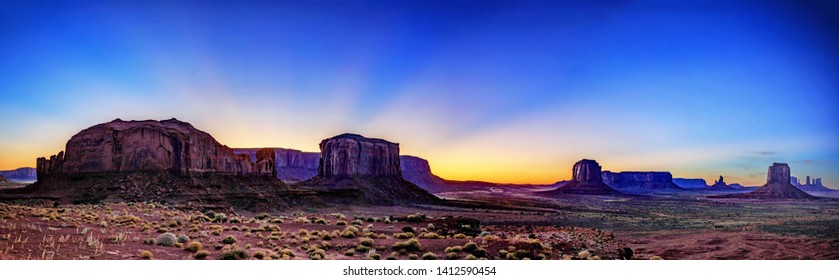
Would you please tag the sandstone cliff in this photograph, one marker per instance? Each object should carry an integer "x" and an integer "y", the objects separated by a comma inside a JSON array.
[
  {"x": 587, "y": 180},
  {"x": 639, "y": 181},
  {"x": 352, "y": 154},
  {"x": 364, "y": 170},
  {"x": 125, "y": 146},
  {"x": 165, "y": 160}
]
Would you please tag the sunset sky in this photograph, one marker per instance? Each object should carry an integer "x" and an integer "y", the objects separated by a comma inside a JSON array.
[{"x": 507, "y": 91}]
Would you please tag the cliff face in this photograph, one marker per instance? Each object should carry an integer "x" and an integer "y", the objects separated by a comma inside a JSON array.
[
  {"x": 690, "y": 183},
  {"x": 165, "y": 160},
  {"x": 417, "y": 170},
  {"x": 4, "y": 180},
  {"x": 587, "y": 180},
  {"x": 290, "y": 165},
  {"x": 126, "y": 146},
  {"x": 352, "y": 155},
  {"x": 634, "y": 180},
  {"x": 355, "y": 169},
  {"x": 23, "y": 174}
]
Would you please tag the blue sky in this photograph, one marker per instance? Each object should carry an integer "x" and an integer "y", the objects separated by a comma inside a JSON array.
[{"x": 511, "y": 91}]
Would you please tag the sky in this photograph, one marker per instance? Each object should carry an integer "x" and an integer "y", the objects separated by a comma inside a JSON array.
[{"x": 503, "y": 91}]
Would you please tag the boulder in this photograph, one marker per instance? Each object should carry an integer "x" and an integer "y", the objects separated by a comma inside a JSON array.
[{"x": 586, "y": 180}]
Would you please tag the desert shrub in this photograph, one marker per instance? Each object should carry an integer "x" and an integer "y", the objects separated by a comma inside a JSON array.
[
  {"x": 347, "y": 234},
  {"x": 320, "y": 221},
  {"x": 430, "y": 235},
  {"x": 523, "y": 254},
  {"x": 183, "y": 238},
  {"x": 229, "y": 240},
  {"x": 366, "y": 242},
  {"x": 262, "y": 216},
  {"x": 146, "y": 254},
  {"x": 413, "y": 257},
  {"x": 510, "y": 256},
  {"x": 259, "y": 255},
  {"x": 412, "y": 245},
  {"x": 429, "y": 256},
  {"x": 317, "y": 254},
  {"x": 349, "y": 252},
  {"x": 166, "y": 239},
  {"x": 453, "y": 249},
  {"x": 193, "y": 246},
  {"x": 357, "y": 222},
  {"x": 416, "y": 218},
  {"x": 210, "y": 214},
  {"x": 408, "y": 229},
  {"x": 235, "y": 220},
  {"x": 469, "y": 247},
  {"x": 485, "y": 233},
  {"x": 479, "y": 253},
  {"x": 403, "y": 235},
  {"x": 234, "y": 254},
  {"x": 655, "y": 258},
  {"x": 277, "y": 221},
  {"x": 220, "y": 218},
  {"x": 540, "y": 257},
  {"x": 362, "y": 248},
  {"x": 341, "y": 223},
  {"x": 460, "y": 236},
  {"x": 200, "y": 255},
  {"x": 470, "y": 257},
  {"x": 452, "y": 256},
  {"x": 584, "y": 255},
  {"x": 376, "y": 256}
]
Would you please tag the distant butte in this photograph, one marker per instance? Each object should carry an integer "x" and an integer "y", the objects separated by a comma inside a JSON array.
[
  {"x": 587, "y": 180},
  {"x": 777, "y": 186}
]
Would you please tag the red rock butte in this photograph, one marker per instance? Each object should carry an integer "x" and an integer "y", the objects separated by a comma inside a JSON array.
[
  {"x": 353, "y": 155},
  {"x": 587, "y": 180},
  {"x": 777, "y": 186}
]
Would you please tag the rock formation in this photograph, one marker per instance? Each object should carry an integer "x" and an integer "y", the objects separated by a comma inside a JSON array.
[
  {"x": 349, "y": 155},
  {"x": 126, "y": 146},
  {"x": 23, "y": 174},
  {"x": 777, "y": 186},
  {"x": 587, "y": 180},
  {"x": 4, "y": 180},
  {"x": 636, "y": 181},
  {"x": 690, "y": 183},
  {"x": 165, "y": 160},
  {"x": 719, "y": 184},
  {"x": 814, "y": 186},
  {"x": 290, "y": 165},
  {"x": 794, "y": 181},
  {"x": 364, "y": 170}
]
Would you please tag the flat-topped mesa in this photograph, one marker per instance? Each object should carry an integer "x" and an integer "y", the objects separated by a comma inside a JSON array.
[
  {"x": 640, "y": 180},
  {"x": 777, "y": 186},
  {"x": 348, "y": 155},
  {"x": 126, "y": 146},
  {"x": 586, "y": 180}
]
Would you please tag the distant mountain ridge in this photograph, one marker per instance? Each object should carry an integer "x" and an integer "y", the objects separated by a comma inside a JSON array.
[{"x": 23, "y": 174}]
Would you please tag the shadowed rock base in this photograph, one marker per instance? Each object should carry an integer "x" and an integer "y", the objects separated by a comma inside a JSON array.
[{"x": 372, "y": 190}]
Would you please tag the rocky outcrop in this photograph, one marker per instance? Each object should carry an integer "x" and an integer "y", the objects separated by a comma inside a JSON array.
[
  {"x": 349, "y": 155},
  {"x": 587, "y": 180},
  {"x": 690, "y": 183},
  {"x": 23, "y": 174},
  {"x": 364, "y": 170},
  {"x": 126, "y": 146},
  {"x": 720, "y": 184},
  {"x": 639, "y": 181},
  {"x": 417, "y": 170},
  {"x": 812, "y": 186},
  {"x": 777, "y": 186},
  {"x": 165, "y": 160},
  {"x": 291, "y": 165},
  {"x": 4, "y": 180}
]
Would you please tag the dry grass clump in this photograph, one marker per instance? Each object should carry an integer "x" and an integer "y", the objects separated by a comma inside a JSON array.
[
  {"x": 403, "y": 235},
  {"x": 412, "y": 245},
  {"x": 234, "y": 254},
  {"x": 229, "y": 240},
  {"x": 200, "y": 255},
  {"x": 193, "y": 246},
  {"x": 429, "y": 256},
  {"x": 146, "y": 255}
]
